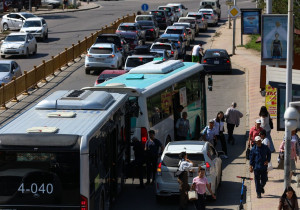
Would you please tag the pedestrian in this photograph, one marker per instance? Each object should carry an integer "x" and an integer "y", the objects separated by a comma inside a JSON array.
[
  {"x": 260, "y": 156},
  {"x": 200, "y": 183},
  {"x": 152, "y": 148},
  {"x": 139, "y": 12},
  {"x": 293, "y": 152},
  {"x": 196, "y": 53},
  {"x": 201, "y": 53},
  {"x": 209, "y": 133},
  {"x": 219, "y": 127},
  {"x": 183, "y": 127},
  {"x": 288, "y": 200},
  {"x": 65, "y": 4},
  {"x": 265, "y": 124},
  {"x": 232, "y": 117},
  {"x": 185, "y": 165},
  {"x": 254, "y": 131},
  {"x": 139, "y": 154},
  {"x": 263, "y": 136}
]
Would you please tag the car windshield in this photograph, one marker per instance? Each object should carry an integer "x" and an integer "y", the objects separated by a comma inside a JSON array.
[
  {"x": 107, "y": 39},
  {"x": 206, "y": 11},
  {"x": 161, "y": 47},
  {"x": 134, "y": 62},
  {"x": 4, "y": 67},
  {"x": 35, "y": 23},
  {"x": 100, "y": 50},
  {"x": 174, "y": 31},
  {"x": 28, "y": 15},
  {"x": 143, "y": 18},
  {"x": 172, "y": 160},
  {"x": 215, "y": 54},
  {"x": 144, "y": 23},
  {"x": 127, "y": 28},
  {"x": 196, "y": 16},
  {"x": 15, "y": 38}
]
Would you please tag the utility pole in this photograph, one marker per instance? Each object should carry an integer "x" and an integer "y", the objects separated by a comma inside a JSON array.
[
  {"x": 268, "y": 6},
  {"x": 30, "y": 6},
  {"x": 288, "y": 98},
  {"x": 233, "y": 35}
]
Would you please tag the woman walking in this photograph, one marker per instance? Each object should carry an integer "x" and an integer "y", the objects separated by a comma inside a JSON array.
[
  {"x": 184, "y": 166},
  {"x": 200, "y": 184},
  {"x": 288, "y": 200},
  {"x": 293, "y": 153},
  {"x": 219, "y": 126},
  {"x": 265, "y": 124}
]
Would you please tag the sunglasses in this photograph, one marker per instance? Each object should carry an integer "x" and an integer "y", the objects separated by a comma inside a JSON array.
[{"x": 202, "y": 169}]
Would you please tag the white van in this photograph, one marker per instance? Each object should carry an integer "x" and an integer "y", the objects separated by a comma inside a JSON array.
[{"x": 211, "y": 4}]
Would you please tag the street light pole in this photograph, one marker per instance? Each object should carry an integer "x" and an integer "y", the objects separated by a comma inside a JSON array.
[{"x": 288, "y": 99}]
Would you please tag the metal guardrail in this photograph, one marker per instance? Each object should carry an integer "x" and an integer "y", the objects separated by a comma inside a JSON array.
[{"x": 30, "y": 79}]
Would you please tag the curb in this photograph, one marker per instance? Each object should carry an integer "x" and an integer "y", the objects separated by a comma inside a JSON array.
[{"x": 66, "y": 11}]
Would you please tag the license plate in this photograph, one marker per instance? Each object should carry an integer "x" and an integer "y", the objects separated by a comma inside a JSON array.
[
  {"x": 216, "y": 62},
  {"x": 99, "y": 59}
]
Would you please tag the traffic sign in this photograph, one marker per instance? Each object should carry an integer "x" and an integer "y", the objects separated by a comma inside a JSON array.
[
  {"x": 229, "y": 3},
  {"x": 234, "y": 12},
  {"x": 145, "y": 7}
]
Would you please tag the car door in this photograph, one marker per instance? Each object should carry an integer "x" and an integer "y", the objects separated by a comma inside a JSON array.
[
  {"x": 11, "y": 18},
  {"x": 18, "y": 21}
]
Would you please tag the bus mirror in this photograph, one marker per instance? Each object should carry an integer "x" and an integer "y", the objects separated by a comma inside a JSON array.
[{"x": 209, "y": 82}]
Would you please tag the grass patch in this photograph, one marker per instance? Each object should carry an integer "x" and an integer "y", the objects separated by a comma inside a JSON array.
[{"x": 252, "y": 44}]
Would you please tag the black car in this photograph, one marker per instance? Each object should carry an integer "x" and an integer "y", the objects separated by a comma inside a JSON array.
[
  {"x": 151, "y": 28},
  {"x": 116, "y": 39},
  {"x": 217, "y": 61},
  {"x": 161, "y": 18}
]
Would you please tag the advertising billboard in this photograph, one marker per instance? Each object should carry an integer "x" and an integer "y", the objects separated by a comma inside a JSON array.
[
  {"x": 274, "y": 37},
  {"x": 251, "y": 21},
  {"x": 271, "y": 101}
]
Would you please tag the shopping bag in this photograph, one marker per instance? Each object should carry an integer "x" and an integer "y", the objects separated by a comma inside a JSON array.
[
  {"x": 193, "y": 195},
  {"x": 270, "y": 167}
]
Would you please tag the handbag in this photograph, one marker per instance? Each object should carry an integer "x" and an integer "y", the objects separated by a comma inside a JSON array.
[
  {"x": 271, "y": 123},
  {"x": 193, "y": 195},
  {"x": 248, "y": 153}
]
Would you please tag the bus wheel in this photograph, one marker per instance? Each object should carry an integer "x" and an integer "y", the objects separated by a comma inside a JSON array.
[
  {"x": 168, "y": 140},
  {"x": 197, "y": 129}
]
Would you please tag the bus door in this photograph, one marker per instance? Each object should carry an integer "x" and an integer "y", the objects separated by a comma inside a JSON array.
[
  {"x": 113, "y": 162},
  {"x": 177, "y": 111}
]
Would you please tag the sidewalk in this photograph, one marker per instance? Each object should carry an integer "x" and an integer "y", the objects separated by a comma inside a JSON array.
[{"x": 249, "y": 62}]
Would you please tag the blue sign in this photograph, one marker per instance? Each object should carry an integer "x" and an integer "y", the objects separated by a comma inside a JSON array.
[
  {"x": 145, "y": 7},
  {"x": 251, "y": 22}
]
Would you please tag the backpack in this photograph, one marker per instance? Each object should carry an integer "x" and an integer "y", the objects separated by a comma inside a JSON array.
[{"x": 271, "y": 122}]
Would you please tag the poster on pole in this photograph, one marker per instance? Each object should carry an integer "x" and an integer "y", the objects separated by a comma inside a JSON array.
[
  {"x": 251, "y": 21},
  {"x": 271, "y": 101},
  {"x": 274, "y": 37},
  {"x": 182, "y": 96}
]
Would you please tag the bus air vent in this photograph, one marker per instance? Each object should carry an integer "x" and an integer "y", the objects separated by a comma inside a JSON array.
[
  {"x": 116, "y": 85},
  {"x": 62, "y": 114},
  {"x": 42, "y": 130},
  {"x": 76, "y": 95},
  {"x": 135, "y": 76},
  {"x": 157, "y": 67}
]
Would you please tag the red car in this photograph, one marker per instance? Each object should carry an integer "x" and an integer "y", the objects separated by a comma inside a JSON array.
[{"x": 108, "y": 74}]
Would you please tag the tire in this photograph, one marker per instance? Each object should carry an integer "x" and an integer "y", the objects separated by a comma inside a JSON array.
[
  {"x": 44, "y": 37},
  {"x": 87, "y": 71},
  {"x": 35, "y": 50},
  {"x": 2, "y": 56},
  {"x": 27, "y": 53},
  {"x": 5, "y": 27}
]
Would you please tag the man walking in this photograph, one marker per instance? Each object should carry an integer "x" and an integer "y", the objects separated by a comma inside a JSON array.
[
  {"x": 232, "y": 116},
  {"x": 260, "y": 156},
  {"x": 254, "y": 131}
]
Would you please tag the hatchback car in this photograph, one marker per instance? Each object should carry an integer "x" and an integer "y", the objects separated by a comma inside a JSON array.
[
  {"x": 179, "y": 30},
  {"x": 108, "y": 74},
  {"x": 36, "y": 26},
  {"x": 177, "y": 40},
  {"x": 151, "y": 28},
  {"x": 217, "y": 61},
  {"x": 161, "y": 18},
  {"x": 102, "y": 56},
  {"x": 8, "y": 70},
  {"x": 192, "y": 21},
  {"x": 169, "y": 46},
  {"x": 180, "y": 9},
  {"x": 133, "y": 33},
  {"x": 19, "y": 44},
  {"x": 201, "y": 153},
  {"x": 202, "y": 22},
  {"x": 210, "y": 15},
  {"x": 14, "y": 21}
]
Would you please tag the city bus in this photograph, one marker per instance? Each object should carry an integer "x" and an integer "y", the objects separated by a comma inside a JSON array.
[
  {"x": 160, "y": 88},
  {"x": 67, "y": 152}
]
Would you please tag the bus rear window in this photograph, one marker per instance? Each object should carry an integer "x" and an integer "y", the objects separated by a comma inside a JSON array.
[
  {"x": 162, "y": 47},
  {"x": 172, "y": 159},
  {"x": 134, "y": 62},
  {"x": 39, "y": 178}
]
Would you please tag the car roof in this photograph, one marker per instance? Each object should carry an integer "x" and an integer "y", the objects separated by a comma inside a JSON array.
[
  {"x": 181, "y": 23},
  {"x": 106, "y": 45},
  {"x": 194, "y": 13},
  {"x": 6, "y": 61},
  {"x": 17, "y": 33},
  {"x": 139, "y": 56},
  {"x": 165, "y": 6},
  {"x": 34, "y": 18},
  {"x": 121, "y": 71},
  {"x": 187, "y": 18},
  {"x": 170, "y": 35},
  {"x": 188, "y": 146},
  {"x": 160, "y": 43},
  {"x": 174, "y": 4},
  {"x": 204, "y": 9},
  {"x": 216, "y": 50},
  {"x": 129, "y": 24}
]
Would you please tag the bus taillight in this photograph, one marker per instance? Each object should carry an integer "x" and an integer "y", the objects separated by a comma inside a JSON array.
[
  {"x": 83, "y": 203},
  {"x": 144, "y": 135}
]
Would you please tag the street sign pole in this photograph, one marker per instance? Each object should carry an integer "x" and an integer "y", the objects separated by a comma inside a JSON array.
[
  {"x": 233, "y": 36},
  {"x": 229, "y": 18}
]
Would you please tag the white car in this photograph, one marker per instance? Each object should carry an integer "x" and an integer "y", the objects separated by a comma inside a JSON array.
[
  {"x": 103, "y": 56},
  {"x": 37, "y": 27},
  {"x": 169, "y": 46},
  {"x": 145, "y": 18},
  {"x": 14, "y": 21},
  {"x": 181, "y": 10},
  {"x": 210, "y": 15},
  {"x": 202, "y": 22},
  {"x": 201, "y": 153},
  {"x": 19, "y": 44},
  {"x": 8, "y": 70},
  {"x": 133, "y": 61}
]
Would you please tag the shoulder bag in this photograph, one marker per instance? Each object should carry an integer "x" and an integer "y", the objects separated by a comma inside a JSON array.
[
  {"x": 271, "y": 122},
  {"x": 193, "y": 195},
  {"x": 248, "y": 153}
]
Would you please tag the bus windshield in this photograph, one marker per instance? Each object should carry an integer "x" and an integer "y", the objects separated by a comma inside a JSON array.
[{"x": 39, "y": 178}]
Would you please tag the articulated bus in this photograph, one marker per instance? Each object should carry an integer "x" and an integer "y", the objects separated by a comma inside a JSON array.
[
  {"x": 67, "y": 152},
  {"x": 159, "y": 88}
]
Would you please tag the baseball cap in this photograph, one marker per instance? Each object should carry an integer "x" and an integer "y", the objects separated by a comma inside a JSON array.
[
  {"x": 258, "y": 121},
  {"x": 257, "y": 138},
  {"x": 211, "y": 121}
]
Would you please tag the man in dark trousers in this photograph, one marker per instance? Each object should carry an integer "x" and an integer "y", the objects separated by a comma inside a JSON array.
[
  {"x": 260, "y": 156},
  {"x": 139, "y": 155},
  {"x": 152, "y": 148},
  {"x": 232, "y": 116}
]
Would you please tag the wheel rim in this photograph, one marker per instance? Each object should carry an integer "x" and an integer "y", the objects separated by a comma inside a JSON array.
[{"x": 5, "y": 27}]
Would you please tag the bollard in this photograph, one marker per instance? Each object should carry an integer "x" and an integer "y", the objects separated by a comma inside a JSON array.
[
  {"x": 66, "y": 57},
  {"x": 53, "y": 68},
  {"x": 73, "y": 52},
  {"x": 15, "y": 90},
  {"x": 26, "y": 84},
  {"x": 59, "y": 61},
  {"x": 3, "y": 106},
  {"x": 44, "y": 73},
  {"x": 35, "y": 78}
]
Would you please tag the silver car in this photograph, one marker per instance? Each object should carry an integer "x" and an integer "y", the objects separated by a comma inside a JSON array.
[
  {"x": 202, "y": 22},
  {"x": 19, "y": 44},
  {"x": 8, "y": 70},
  {"x": 36, "y": 26},
  {"x": 201, "y": 153},
  {"x": 14, "y": 21},
  {"x": 210, "y": 15}
]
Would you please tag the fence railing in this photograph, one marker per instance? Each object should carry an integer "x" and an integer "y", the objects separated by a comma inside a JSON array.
[{"x": 30, "y": 79}]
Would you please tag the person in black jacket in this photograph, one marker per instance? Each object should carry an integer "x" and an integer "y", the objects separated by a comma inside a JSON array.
[{"x": 139, "y": 155}]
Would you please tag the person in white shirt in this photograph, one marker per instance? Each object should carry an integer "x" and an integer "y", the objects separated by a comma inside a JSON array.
[
  {"x": 265, "y": 124},
  {"x": 196, "y": 53}
]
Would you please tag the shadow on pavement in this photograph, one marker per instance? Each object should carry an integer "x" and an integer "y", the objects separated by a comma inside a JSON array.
[
  {"x": 204, "y": 36},
  {"x": 51, "y": 39},
  {"x": 237, "y": 72},
  {"x": 211, "y": 30},
  {"x": 57, "y": 16}
]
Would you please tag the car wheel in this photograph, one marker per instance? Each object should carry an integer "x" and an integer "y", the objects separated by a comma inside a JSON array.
[
  {"x": 87, "y": 71},
  {"x": 5, "y": 27},
  {"x": 44, "y": 37},
  {"x": 35, "y": 50},
  {"x": 27, "y": 53},
  {"x": 2, "y": 56}
]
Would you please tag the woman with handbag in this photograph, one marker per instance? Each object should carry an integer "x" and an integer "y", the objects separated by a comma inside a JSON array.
[
  {"x": 288, "y": 200},
  {"x": 200, "y": 184},
  {"x": 265, "y": 124},
  {"x": 219, "y": 127}
]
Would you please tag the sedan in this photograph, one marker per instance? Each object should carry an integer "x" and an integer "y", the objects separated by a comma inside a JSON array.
[
  {"x": 217, "y": 61},
  {"x": 14, "y": 21},
  {"x": 210, "y": 15},
  {"x": 19, "y": 44},
  {"x": 102, "y": 56},
  {"x": 201, "y": 153},
  {"x": 8, "y": 70},
  {"x": 169, "y": 46}
]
